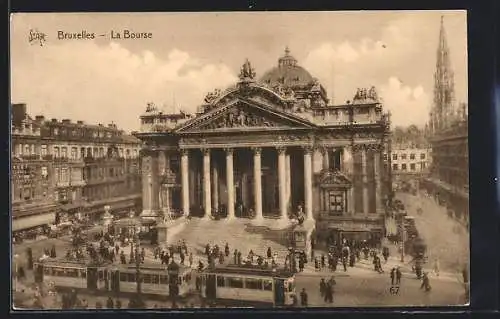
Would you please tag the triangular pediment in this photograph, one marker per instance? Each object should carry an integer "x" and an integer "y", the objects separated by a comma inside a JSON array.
[
  {"x": 244, "y": 114},
  {"x": 329, "y": 178}
]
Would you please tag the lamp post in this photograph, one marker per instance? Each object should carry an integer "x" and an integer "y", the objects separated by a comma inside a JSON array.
[{"x": 139, "y": 302}]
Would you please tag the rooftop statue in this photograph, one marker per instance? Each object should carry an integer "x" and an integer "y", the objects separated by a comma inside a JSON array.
[
  {"x": 151, "y": 108},
  {"x": 364, "y": 95},
  {"x": 247, "y": 72},
  {"x": 212, "y": 96}
]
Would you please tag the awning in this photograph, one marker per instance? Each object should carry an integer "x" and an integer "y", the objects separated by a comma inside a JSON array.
[{"x": 33, "y": 221}]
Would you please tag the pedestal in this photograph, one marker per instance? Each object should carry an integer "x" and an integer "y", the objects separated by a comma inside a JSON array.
[
  {"x": 107, "y": 219},
  {"x": 162, "y": 234}
]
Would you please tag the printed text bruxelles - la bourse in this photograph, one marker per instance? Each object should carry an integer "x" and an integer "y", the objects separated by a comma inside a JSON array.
[{"x": 84, "y": 35}]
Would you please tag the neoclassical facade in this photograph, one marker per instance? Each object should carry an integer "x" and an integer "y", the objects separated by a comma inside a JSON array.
[{"x": 269, "y": 149}]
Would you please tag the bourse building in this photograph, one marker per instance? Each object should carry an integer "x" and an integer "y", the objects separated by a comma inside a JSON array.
[{"x": 268, "y": 149}]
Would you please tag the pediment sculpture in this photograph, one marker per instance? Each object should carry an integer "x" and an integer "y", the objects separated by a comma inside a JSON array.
[
  {"x": 329, "y": 177},
  {"x": 212, "y": 96},
  {"x": 240, "y": 118}
]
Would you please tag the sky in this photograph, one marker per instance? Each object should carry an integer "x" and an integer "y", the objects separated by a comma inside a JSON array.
[{"x": 106, "y": 80}]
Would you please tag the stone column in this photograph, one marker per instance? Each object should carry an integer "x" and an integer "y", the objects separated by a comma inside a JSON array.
[
  {"x": 215, "y": 187},
  {"x": 282, "y": 182},
  {"x": 230, "y": 183},
  {"x": 185, "y": 181},
  {"x": 308, "y": 202},
  {"x": 257, "y": 182},
  {"x": 378, "y": 166},
  {"x": 348, "y": 168},
  {"x": 288, "y": 181},
  {"x": 150, "y": 185},
  {"x": 206, "y": 183},
  {"x": 364, "y": 162}
]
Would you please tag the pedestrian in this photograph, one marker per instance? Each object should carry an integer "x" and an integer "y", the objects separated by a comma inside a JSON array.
[
  {"x": 436, "y": 266},
  {"x": 226, "y": 250},
  {"x": 344, "y": 263},
  {"x": 425, "y": 283},
  {"x": 393, "y": 275},
  {"x": 190, "y": 260},
  {"x": 235, "y": 256},
  {"x": 303, "y": 297},
  {"x": 182, "y": 257},
  {"x": 110, "y": 303},
  {"x": 322, "y": 261},
  {"x": 385, "y": 253},
  {"x": 269, "y": 253},
  {"x": 322, "y": 287},
  {"x": 316, "y": 264},
  {"x": 118, "y": 304},
  {"x": 398, "y": 276}
]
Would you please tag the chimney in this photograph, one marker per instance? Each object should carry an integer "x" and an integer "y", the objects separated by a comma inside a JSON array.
[
  {"x": 79, "y": 122},
  {"x": 100, "y": 124},
  {"x": 54, "y": 120},
  {"x": 18, "y": 113},
  {"x": 40, "y": 118},
  {"x": 66, "y": 121}
]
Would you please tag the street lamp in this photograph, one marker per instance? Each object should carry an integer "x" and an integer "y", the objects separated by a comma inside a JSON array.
[{"x": 139, "y": 302}]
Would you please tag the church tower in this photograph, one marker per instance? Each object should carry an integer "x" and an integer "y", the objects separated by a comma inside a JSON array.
[{"x": 443, "y": 109}]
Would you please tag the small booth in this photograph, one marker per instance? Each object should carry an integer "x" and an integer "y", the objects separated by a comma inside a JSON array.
[{"x": 131, "y": 226}]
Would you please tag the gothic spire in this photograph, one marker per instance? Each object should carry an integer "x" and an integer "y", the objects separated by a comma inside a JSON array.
[{"x": 444, "y": 86}]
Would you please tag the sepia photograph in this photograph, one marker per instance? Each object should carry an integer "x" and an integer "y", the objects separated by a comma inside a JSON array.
[{"x": 239, "y": 159}]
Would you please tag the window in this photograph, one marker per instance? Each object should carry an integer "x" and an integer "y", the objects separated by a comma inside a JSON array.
[
  {"x": 56, "y": 131},
  {"x": 395, "y": 157},
  {"x": 267, "y": 284},
  {"x": 220, "y": 281},
  {"x": 74, "y": 153},
  {"x": 336, "y": 203},
  {"x": 422, "y": 165},
  {"x": 412, "y": 156},
  {"x": 251, "y": 283},
  {"x": 163, "y": 279},
  {"x": 422, "y": 156},
  {"x": 64, "y": 152},
  {"x": 403, "y": 167},
  {"x": 56, "y": 173},
  {"x": 385, "y": 157},
  {"x": 146, "y": 278},
  {"x": 45, "y": 172},
  {"x": 155, "y": 279},
  {"x": 44, "y": 150},
  {"x": 403, "y": 156},
  {"x": 27, "y": 149},
  {"x": 412, "y": 166},
  {"x": 123, "y": 277},
  {"x": 131, "y": 278},
  {"x": 234, "y": 282},
  {"x": 394, "y": 167}
]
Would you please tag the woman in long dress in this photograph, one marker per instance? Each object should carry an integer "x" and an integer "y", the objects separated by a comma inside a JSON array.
[{"x": 436, "y": 266}]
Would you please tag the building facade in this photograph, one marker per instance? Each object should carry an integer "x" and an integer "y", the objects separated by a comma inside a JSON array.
[
  {"x": 268, "y": 148},
  {"x": 81, "y": 167},
  {"x": 408, "y": 162},
  {"x": 448, "y": 130}
]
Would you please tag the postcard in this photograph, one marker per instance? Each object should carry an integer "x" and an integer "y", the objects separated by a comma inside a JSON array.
[{"x": 239, "y": 159}]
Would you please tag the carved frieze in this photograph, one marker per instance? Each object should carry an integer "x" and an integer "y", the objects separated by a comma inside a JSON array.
[
  {"x": 329, "y": 178},
  {"x": 238, "y": 117}
]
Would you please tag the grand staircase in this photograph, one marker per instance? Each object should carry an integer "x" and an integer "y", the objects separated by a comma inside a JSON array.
[{"x": 240, "y": 234}]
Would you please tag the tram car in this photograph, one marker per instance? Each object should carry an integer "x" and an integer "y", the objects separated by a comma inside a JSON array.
[
  {"x": 157, "y": 279},
  {"x": 234, "y": 285}
]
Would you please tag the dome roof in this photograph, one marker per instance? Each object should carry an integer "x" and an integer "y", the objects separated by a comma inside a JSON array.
[{"x": 287, "y": 73}]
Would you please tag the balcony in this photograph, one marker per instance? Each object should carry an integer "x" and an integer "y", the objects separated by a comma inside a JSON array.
[
  {"x": 62, "y": 184},
  {"x": 30, "y": 157}
]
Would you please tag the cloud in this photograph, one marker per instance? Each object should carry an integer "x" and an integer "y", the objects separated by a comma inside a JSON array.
[
  {"x": 407, "y": 105},
  {"x": 342, "y": 67},
  {"x": 100, "y": 84}
]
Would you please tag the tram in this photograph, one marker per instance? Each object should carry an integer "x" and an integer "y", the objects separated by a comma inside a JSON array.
[
  {"x": 248, "y": 285},
  {"x": 157, "y": 280}
]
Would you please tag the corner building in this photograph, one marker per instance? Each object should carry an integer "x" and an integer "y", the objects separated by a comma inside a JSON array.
[{"x": 267, "y": 149}]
